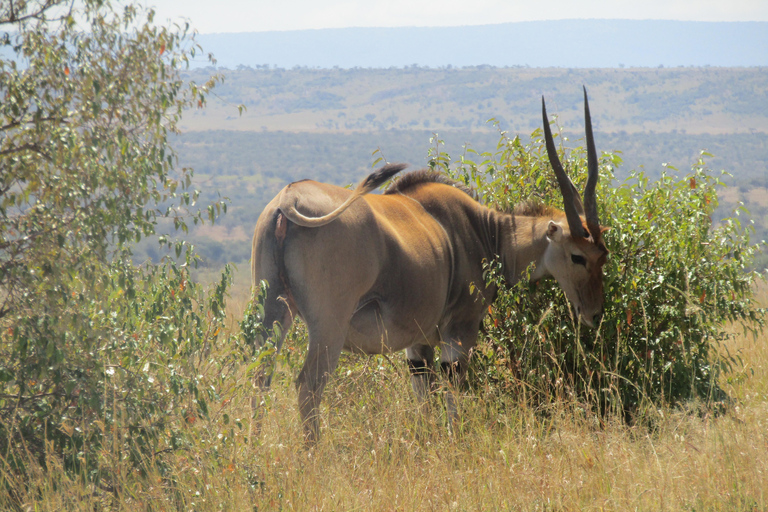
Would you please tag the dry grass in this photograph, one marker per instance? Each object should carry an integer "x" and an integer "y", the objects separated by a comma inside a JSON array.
[{"x": 380, "y": 452}]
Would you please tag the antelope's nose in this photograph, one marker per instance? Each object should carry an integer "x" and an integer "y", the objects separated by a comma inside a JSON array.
[{"x": 597, "y": 317}]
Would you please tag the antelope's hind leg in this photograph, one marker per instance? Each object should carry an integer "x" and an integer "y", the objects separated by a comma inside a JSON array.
[
  {"x": 326, "y": 340},
  {"x": 278, "y": 318}
]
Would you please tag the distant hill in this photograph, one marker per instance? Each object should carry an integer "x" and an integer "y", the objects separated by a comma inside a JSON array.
[
  {"x": 692, "y": 100},
  {"x": 563, "y": 43}
]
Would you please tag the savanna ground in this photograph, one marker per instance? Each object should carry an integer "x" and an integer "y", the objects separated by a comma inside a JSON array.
[{"x": 378, "y": 451}]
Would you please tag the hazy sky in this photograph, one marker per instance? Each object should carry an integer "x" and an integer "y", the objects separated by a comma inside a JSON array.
[{"x": 210, "y": 16}]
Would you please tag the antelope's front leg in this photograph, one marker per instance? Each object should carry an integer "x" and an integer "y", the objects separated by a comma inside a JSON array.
[
  {"x": 421, "y": 365},
  {"x": 454, "y": 360}
]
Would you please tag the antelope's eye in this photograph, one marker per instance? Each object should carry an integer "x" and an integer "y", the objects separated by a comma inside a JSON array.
[{"x": 578, "y": 259}]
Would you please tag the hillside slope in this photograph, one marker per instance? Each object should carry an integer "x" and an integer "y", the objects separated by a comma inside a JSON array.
[{"x": 689, "y": 100}]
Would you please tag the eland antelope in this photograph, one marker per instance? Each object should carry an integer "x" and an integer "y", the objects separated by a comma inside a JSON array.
[{"x": 381, "y": 273}]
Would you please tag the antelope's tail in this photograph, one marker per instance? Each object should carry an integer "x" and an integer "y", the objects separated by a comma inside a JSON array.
[{"x": 373, "y": 181}]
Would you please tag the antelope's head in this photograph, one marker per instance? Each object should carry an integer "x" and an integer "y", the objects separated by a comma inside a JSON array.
[{"x": 576, "y": 252}]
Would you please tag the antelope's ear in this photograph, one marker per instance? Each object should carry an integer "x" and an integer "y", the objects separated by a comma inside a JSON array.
[
  {"x": 603, "y": 229},
  {"x": 555, "y": 231}
]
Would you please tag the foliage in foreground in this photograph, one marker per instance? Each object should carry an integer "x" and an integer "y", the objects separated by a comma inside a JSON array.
[
  {"x": 99, "y": 360},
  {"x": 673, "y": 282}
]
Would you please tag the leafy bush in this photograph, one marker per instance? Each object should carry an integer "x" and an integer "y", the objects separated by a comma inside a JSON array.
[
  {"x": 673, "y": 282},
  {"x": 100, "y": 362}
]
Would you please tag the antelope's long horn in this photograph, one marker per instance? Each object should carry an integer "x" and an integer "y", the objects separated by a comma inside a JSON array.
[
  {"x": 571, "y": 200},
  {"x": 590, "y": 202}
]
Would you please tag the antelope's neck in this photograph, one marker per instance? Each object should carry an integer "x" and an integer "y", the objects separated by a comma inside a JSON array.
[{"x": 521, "y": 240}]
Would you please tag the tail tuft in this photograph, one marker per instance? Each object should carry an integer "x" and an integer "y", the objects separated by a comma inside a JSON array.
[{"x": 379, "y": 176}]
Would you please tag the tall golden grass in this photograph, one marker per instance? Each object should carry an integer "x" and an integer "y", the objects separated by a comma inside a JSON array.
[{"x": 381, "y": 451}]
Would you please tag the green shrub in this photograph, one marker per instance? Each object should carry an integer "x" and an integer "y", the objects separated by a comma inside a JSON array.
[
  {"x": 673, "y": 282},
  {"x": 101, "y": 363},
  {"x": 120, "y": 369}
]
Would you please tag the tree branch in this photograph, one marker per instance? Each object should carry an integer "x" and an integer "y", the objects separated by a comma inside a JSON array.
[
  {"x": 11, "y": 16},
  {"x": 27, "y": 147}
]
